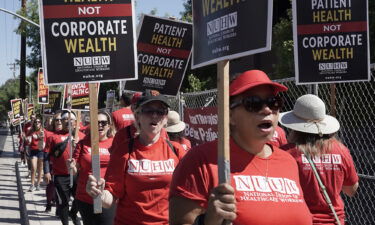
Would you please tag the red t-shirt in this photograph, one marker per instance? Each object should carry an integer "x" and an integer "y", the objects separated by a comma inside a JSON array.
[
  {"x": 279, "y": 137},
  {"x": 122, "y": 136},
  {"x": 26, "y": 130},
  {"x": 336, "y": 169},
  {"x": 143, "y": 189},
  {"x": 185, "y": 143},
  {"x": 59, "y": 164},
  {"x": 82, "y": 155},
  {"x": 122, "y": 118},
  {"x": 34, "y": 140},
  {"x": 84, "y": 129},
  {"x": 48, "y": 136},
  {"x": 267, "y": 190}
]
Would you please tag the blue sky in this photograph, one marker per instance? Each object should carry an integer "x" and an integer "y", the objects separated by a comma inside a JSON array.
[{"x": 10, "y": 41}]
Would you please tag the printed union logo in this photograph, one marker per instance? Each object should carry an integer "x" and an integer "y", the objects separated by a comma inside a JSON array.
[
  {"x": 223, "y": 23},
  {"x": 333, "y": 66},
  {"x": 91, "y": 61}
]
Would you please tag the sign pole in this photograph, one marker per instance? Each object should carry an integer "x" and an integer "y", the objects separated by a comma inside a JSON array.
[
  {"x": 223, "y": 160},
  {"x": 94, "y": 135},
  {"x": 69, "y": 106},
  {"x": 78, "y": 122}
]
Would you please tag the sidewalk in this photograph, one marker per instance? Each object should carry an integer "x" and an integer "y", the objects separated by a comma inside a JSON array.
[{"x": 9, "y": 201}]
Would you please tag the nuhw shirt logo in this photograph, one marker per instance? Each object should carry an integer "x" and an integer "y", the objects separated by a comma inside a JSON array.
[
  {"x": 323, "y": 162},
  {"x": 150, "y": 167},
  {"x": 266, "y": 189}
]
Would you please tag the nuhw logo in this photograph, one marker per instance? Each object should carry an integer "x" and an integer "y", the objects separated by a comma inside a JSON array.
[
  {"x": 149, "y": 167},
  {"x": 91, "y": 61}
]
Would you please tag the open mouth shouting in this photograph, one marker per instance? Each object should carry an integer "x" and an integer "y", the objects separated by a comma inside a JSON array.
[{"x": 265, "y": 126}]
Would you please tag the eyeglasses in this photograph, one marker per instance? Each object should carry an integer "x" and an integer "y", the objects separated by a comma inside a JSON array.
[
  {"x": 57, "y": 120},
  {"x": 255, "y": 103},
  {"x": 38, "y": 121},
  {"x": 158, "y": 112},
  {"x": 102, "y": 122}
]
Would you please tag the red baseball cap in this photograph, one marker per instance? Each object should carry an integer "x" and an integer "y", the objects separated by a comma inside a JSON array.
[
  {"x": 250, "y": 79},
  {"x": 136, "y": 97}
]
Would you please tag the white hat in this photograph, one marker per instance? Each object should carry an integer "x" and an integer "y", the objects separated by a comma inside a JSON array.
[
  {"x": 309, "y": 116},
  {"x": 174, "y": 124}
]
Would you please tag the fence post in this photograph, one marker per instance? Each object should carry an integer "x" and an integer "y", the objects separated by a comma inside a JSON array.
[
  {"x": 180, "y": 105},
  {"x": 313, "y": 89}
]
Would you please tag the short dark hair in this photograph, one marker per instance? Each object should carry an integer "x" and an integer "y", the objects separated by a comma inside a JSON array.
[{"x": 126, "y": 98}]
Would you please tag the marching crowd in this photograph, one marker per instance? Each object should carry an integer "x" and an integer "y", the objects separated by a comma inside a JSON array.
[{"x": 150, "y": 173}]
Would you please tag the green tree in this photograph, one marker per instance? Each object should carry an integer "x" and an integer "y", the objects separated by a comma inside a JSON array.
[
  {"x": 32, "y": 33},
  {"x": 282, "y": 47},
  {"x": 9, "y": 90}
]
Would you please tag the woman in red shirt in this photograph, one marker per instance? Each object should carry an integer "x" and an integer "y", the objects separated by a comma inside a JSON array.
[
  {"x": 312, "y": 135},
  {"x": 36, "y": 142},
  {"x": 82, "y": 162},
  {"x": 55, "y": 126},
  {"x": 140, "y": 169},
  {"x": 264, "y": 184}
]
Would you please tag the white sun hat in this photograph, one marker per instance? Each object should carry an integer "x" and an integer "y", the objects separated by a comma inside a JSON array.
[
  {"x": 309, "y": 116},
  {"x": 174, "y": 124}
]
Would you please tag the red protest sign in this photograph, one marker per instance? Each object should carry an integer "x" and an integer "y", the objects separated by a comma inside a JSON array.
[
  {"x": 201, "y": 124},
  {"x": 80, "y": 96},
  {"x": 42, "y": 88}
]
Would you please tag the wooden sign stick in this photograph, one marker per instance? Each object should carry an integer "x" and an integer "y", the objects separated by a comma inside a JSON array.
[
  {"x": 69, "y": 106},
  {"x": 223, "y": 160},
  {"x": 95, "y": 157},
  {"x": 78, "y": 122},
  {"x": 223, "y": 114}
]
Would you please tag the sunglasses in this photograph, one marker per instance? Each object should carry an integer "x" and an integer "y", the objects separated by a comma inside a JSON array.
[
  {"x": 38, "y": 121},
  {"x": 151, "y": 112},
  {"x": 102, "y": 122},
  {"x": 255, "y": 103}
]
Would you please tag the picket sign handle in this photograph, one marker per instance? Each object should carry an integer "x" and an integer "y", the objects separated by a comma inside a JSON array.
[
  {"x": 94, "y": 135},
  {"x": 69, "y": 106},
  {"x": 223, "y": 160},
  {"x": 78, "y": 122}
]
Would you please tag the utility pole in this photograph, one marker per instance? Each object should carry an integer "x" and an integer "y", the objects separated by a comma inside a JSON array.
[
  {"x": 23, "y": 59},
  {"x": 13, "y": 66}
]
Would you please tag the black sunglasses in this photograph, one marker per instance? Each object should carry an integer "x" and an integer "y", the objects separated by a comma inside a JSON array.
[
  {"x": 150, "y": 112},
  {"x": 255, "y": 103},
  {"x": 102, "y": 122}
]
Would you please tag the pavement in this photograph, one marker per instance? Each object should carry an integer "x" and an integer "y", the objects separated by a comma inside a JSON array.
[
  {"x": 9, "y": 203},
  {"x": 10, "y": 208}
]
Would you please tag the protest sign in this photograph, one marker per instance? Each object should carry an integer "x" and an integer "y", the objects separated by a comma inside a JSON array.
[
  {"x": 225, "y": 30},
  {"x": 331, "y": 41},
  {"x": 54, "y": 103},
  {"x": 164, "y": 47},
  {"x": 42, "y": 88},
  {"x": 87, "y": 41},
  {"x": 80, "y": 97},
  {"x": 201, "y": 125},
  {"x": 30, "y": 110},
  {"x": 11, "y": 119},
  {"x": 16, "y": 108}
]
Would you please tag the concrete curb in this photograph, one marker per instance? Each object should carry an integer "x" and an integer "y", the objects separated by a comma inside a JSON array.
[{"x": 21, "y": 197}]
